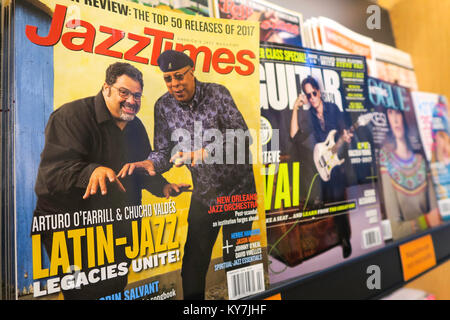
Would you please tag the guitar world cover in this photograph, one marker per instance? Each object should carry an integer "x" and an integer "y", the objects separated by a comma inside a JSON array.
[
  {"x": 321, "y": 195},
  {"x": 123, "y": 116}
]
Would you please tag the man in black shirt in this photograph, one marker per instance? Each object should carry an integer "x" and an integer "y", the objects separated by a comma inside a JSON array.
[
  {"x": 86, "y": 142},
  {"x": 313, "y": 126}
]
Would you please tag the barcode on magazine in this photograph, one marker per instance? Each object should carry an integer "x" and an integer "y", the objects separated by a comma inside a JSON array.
[
  {"x": 371, "y": 237},
  {"x": 245, "y": 281},
  {"x": 444, "y": 207}
]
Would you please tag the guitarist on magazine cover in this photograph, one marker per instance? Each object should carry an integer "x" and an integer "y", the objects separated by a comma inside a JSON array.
[{"x": 322, "y": 122}]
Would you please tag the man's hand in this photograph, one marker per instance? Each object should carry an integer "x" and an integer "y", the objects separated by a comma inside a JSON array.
[
  {"x": 300, "y": 101},
  {"x": 98, "y": 179},
  {"x": 172, "y": 189},
  {"x": 194, "y": 157},
  {"x": 347, "y": 136},
  {"x": 129, "y": 168}
]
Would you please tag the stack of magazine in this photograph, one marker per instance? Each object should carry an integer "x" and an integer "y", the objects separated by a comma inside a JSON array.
[{"x": 271, "y": 149}]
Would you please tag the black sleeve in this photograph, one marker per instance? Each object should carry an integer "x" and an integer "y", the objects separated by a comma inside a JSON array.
[
  {"x": 153, "y": 184},
  {"x": 339, "y": 119},
  {"x": 63, "y": 160},
  {"x": 305, "y": 131}
]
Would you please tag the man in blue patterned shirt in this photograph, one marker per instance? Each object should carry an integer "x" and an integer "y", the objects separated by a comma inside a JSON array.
[{"x": 192, "y": 110}]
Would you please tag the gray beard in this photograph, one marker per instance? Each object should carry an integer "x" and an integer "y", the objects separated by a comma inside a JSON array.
[{"x": 126, "y": 117}]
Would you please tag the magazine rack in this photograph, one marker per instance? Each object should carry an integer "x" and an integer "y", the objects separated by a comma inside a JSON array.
[{"x": 349, "y": 279}]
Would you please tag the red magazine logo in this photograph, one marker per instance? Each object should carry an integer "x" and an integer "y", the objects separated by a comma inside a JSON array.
[
  {"x": 222, "y": 60},
  {"x": 235, "y": 11}
]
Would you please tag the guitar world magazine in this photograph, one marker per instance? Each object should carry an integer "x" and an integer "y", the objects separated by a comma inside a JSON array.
[
  {"x": 321, "y": 194},
  {"x": 124, "y": 115}
]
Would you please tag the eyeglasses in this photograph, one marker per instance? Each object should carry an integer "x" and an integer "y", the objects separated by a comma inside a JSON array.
[
  {"x": 314, "y": 93},
  {"x": 124, "y": 93},
  {"x": 177, "y": 76}
]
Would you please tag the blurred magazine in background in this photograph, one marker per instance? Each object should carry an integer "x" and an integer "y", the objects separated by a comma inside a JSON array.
[
  {"x": 432, "y": 117},
  {"x": 407, "y": 192},
  {"x": 278, "y": 25}
]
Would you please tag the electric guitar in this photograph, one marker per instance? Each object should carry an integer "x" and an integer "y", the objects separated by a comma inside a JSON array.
[{"x": 326, "y": 153}]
